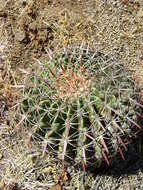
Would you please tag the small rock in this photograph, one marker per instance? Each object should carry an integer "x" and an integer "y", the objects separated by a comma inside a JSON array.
[
  {"x": 33, "y": 26},
  {"x": 19, "y": 35},
  {"x": 56, "y": 187},
  {"x": 48, "y": 170},
  {"x": 140, "y": 13}
]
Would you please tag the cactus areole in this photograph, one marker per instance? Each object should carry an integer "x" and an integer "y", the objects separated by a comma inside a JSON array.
[{"x": 83, "y": 105}]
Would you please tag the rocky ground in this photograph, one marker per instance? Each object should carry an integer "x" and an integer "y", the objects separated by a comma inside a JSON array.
[{"x": 27, "y": 30}]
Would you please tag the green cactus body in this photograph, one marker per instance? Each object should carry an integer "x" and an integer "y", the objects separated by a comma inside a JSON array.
[{"x": 79, "y": 102}]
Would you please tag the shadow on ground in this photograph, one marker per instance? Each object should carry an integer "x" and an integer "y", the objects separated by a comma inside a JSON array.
[{"x": 132, "y": 163}]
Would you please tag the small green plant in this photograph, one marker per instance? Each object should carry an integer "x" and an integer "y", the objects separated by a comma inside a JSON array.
[{"x": 83, "y": 105}]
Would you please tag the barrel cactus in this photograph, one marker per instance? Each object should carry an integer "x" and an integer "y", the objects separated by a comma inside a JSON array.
[{"x": 82, "y": 105}]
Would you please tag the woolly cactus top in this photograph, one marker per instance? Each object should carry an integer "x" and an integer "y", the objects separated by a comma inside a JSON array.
[{"x": 83, "y": 105}]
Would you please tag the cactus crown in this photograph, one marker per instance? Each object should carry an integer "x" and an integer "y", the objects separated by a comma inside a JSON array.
[
  {"x": 83, "y": 104},
  {"x": 70, "y": 84}
]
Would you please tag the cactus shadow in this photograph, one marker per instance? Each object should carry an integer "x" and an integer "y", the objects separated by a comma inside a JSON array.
[{"x": 132, "y": 163}]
